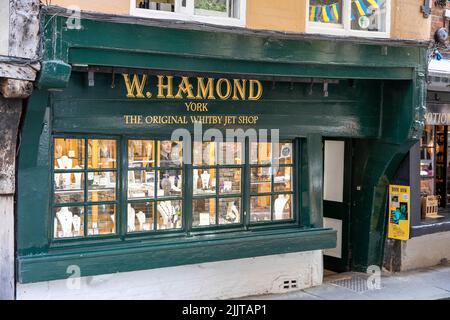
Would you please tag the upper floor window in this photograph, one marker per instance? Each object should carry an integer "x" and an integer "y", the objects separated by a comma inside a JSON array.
[
  {"x": 224, "y": 12},
  {"x": 369, "y": 18}
]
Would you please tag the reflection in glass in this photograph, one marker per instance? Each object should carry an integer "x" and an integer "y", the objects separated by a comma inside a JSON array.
[
  {"x": 101, "y": 154},
  {"x": 159, "y": 5},
  {"x": 204, "y": 181},
  {"x": 204, "y": 212},
  {"x": 101, "y": 219},
  {"x": 282, "y": 207},
  {"x": 260, "y": 153},
  {"x": 170, "y": 183},
  {"x": 141, "y": 184},
  {"x": 283, "y": 152},
  {"x": 230, "y": 153},
  {"x": 369, "y": 15},
  {"x": 282, "y": 179},
  {"x": 229, "y": 180},
  {"x": 229, "y": 210},
  {"x": 217, "y": 8},
  {"x": 260, "y": 179},
  {"x": 68, "y": 153},
  {"x": 69, "y": 187},
  {"x": 101, "y": 186},
  {"x": 169, "y": 214},
  {"x": 68, "y": 222},
  {"x": 325, "y": 11},
  {"x": 170, "y": 154},
  {"x": 141, "y": 153},
  {"x": 260, "y": 208},
  {"x": 140, "y": 217},
  {"x": 204, "y": 153}
]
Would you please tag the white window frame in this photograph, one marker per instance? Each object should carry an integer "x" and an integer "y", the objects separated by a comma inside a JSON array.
[
  {"x": 187, "y": 14},
  {"x": 344, "y": 29}
]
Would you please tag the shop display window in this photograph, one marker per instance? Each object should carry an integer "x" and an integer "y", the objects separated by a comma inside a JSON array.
[
  {"x": 102, "y": 190},
  {"x": 84, "y": 193}
]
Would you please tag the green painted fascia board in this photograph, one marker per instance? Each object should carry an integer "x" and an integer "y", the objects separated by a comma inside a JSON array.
[
  {"x": 167, "y": 46},
  {"x": 132, "y": 257}
]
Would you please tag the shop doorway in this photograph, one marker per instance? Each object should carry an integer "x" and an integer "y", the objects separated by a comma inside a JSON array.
[{"x": 337, "y": 200}]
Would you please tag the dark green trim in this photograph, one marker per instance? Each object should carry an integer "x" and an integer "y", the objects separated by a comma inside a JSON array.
[
  {"x": 189, "y": 250},
  {"x": 315, "y": 179}
]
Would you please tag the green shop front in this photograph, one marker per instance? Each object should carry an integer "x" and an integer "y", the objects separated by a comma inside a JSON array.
[{"x": 220, "y": 162}]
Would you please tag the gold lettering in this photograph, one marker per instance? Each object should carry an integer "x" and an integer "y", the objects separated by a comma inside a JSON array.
[
  {"x": 135, "y": 85},
  {"x": 219, "y": 89},
  {"x": 251, "y": 94},
  {"x": 185, "y": 87},
  {"x": 162, "y": 86},
  {"x": 239, "y": 87},
  {"x": 205, "y": 92}
]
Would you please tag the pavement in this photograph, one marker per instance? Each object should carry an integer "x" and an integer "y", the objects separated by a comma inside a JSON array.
[{"x": 423, "y": 284}]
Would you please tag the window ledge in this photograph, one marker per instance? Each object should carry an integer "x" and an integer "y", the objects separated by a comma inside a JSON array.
[{"x": 187, "y": 250}]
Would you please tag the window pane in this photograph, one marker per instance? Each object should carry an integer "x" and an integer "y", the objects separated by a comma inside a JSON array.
[
  {"x": 141, "y": 184},
  {"x": 230, "y": 153},
  {"x": 169, "y": 214},
  {"x": 68, "y": 222},
  {"x": 140, "y": 217},
  {"x": 69, "y": 153},
  {"x": 283, "y": 179},
  {"x": 204, "y": 153},
  {"x": 101, "y": 219},
  {"x": 260, "y": 153},
  {"x": 368, "y": 15},
  {"x": 325, "y": 11},
  {"x": 170, "y": 183},
  {"x": 260, "y": 208},
  {"x": 141, "y": 153},
  {"x": 160, "y": 5},
  {"x": 260, "y": 180},
  {"x": 229, "y": 181},
  {"x": 204, "y": 181},
  {"x": 101, "y": 186},
  {"x": 69, "y": 187},
  {"x": 217, "y": 8},
  {"x": 229, "y": 210},
  {"x": 282, "y": 207},
  {"x": 170, "y": 154},
  {"x": 283, "y": 152},
  {"x": 204, "y": 212},
  {"x": 101, "y": 154}
]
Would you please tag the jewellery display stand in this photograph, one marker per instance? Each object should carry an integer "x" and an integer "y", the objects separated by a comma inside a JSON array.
[
  {"x": 205, "y": 180},
  {"x": 65, "y": 218},
  {"x": 77, "y": 178},
  {"x": 172, "y": 184},
  {"x": 168, "y": 213},
  {"x": 141, "y": 219},
  {"x": 131, "y": 219},
  {"x": 76, "y": 225},
  {"x": 280, "y": 203},
  {"x": 195, "y": 178},
  {"x": 232, "y": 212},
  {"x": 65, "y": 163}
]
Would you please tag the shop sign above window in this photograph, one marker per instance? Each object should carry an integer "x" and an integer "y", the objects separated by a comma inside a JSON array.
[
  {"x": 224, "y": 12},
  {"x": 368, "y": 18}
]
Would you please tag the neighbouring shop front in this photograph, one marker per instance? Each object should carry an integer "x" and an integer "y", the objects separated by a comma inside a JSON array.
[{"x": 218, "y": 153}]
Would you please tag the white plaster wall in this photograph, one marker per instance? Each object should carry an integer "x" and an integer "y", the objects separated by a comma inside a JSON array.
[
  {"x": 4, "y": 27},
  {"x": 214, "y": 280},
  {"x": 425, "y": 251}
]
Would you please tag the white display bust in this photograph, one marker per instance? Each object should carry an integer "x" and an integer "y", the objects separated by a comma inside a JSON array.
[
  {"x": 64, "y": 162},
  {"x": 232, "y": 212},
  {"x": 141, "y": 219},
  {"x": 131, "y": 219},
  {"x": 167, "y": 212},
  {"x": 65, "y": 218},
  {"x": 76, "y": 221},
  {"x": 205, "y": 179},
  {"x": 280, "y": 203}
]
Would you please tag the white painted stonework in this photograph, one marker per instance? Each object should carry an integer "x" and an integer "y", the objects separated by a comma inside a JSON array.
[
  {"x": 425, "y": 251},
  {"x": 213, "y": 280}
]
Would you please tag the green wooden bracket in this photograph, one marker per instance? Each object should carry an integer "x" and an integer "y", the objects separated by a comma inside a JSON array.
[{"x": 55, "y": 74}]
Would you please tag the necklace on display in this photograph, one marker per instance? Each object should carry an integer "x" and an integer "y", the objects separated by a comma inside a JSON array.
[{"x": 65, "y": 218}]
